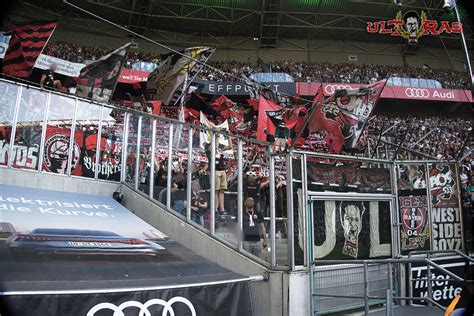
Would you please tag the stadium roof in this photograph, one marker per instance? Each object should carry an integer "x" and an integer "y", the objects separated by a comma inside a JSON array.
[{"x": 267, "y": 20}]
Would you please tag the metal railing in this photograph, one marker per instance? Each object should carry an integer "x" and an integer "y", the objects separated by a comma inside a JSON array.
[
  {"x": 134, "y": 141},
  {"x": 390, "y": 296}
]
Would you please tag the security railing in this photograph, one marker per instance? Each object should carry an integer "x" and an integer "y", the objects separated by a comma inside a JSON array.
[
  {"x": 189, "y": 170},
  {"x": 390, "y": 276}
]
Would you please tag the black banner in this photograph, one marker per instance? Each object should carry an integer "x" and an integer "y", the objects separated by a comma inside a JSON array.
[
  {"x": 444, "y": 288},
  {"x": 220, "y": 299},
  {"x": 240, "y": 88},
  {"x": 351, "y": 229},
  {"x": 415, "y": 221}
]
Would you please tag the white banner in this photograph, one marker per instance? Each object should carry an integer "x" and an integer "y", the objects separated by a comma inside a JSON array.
[
  {"x": 205, "y": 136},
  {"x": 65, "y": 67}
]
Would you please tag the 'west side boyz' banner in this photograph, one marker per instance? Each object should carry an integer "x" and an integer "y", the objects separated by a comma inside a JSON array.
[
  {"x": 97, "y": 80},
  {"x": 350, "y": 229},
  {"x": 343, "y": 115},
  {"x": 446, "y": 214},
  {"x": 232, "y": 299}
]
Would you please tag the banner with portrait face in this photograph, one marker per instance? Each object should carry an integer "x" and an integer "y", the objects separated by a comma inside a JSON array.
[
  {"x": 446, "y": 213},
  {"x": 351, "y": 229}
]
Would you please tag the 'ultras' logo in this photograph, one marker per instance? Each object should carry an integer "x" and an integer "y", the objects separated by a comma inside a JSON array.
[
  {"x": 411, "y": 26},
  {"x": 441, "y": 183}
]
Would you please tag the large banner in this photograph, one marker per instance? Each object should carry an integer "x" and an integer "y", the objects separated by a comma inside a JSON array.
[
  {"x": 351, "y": 229},
  {"x": 28, "y": 212},
  {"x": 230, "y": 299},
  {"x": 446, "y": 213},
  {"x": 444, "y": 289}
]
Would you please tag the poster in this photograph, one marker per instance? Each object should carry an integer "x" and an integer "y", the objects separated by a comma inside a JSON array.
[
  {"x": 351, "y": 229},
  {"x": 415, "y": 230},
  {"x": 446, "y": 213}
]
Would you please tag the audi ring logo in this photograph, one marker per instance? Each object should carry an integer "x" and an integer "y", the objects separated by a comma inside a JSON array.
[
  {"x": 417, "y": 93},
  {"x": 331, "y": 88},
  {"x": 143, "y": 308}
]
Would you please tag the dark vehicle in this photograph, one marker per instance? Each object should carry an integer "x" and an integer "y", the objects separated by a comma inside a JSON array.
[{"x": 81, "y": 242}]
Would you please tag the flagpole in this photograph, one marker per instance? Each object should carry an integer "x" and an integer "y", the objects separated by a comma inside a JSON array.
[{"x": 120, "y": 70}]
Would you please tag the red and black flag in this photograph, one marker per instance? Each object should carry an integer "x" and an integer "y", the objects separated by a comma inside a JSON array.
[
  {"x": 270, "y": 116},
  {"x": 239, "y": 116},
  {"x": 26, "y": 43},
  {"x": 344, "y": 114},
  {"x": 196, "y": 104}
]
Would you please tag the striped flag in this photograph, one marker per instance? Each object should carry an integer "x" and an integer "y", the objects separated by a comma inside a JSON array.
[{"x": 27, "y": 42}]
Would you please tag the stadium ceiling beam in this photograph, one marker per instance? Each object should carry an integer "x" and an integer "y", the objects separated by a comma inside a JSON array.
[{"x": 188, "y": 11}]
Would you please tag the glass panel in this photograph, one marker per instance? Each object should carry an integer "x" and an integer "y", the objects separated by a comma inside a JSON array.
[
  {"x": 8, "y": 94},
  {"x": 131, "y": 149},
  {"x": 179, "y": 169},
  {"x": 256, "y": 185},
  {"x": 226, "y": 186},
  {"x": 200, "y": 194},
  {"x": 281, "y": 213},
  {"x": 87, "y": 127},
  {"x": 28, "y": 129},
  {"x": 145, "y": 156},
  {"x": 110, "y": 158},
  {"x": 161, "y": 161},
  {"x": 58, "y": 134}
]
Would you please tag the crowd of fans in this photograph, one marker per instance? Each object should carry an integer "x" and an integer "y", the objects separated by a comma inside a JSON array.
[
  {"x": 300, "y": 71},
  {"x": 435, "y": 136}
]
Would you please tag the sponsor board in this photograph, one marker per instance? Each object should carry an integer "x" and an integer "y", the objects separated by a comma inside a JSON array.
[
  {"x": 444, "y": 288},
  {"x": 225, "y": 298}
]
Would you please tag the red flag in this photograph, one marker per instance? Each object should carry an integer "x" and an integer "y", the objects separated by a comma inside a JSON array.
[
  {"x": 268, "y": 114},
  {"x": 344, "y": 114},
  {"x": 26, "y": 44}
]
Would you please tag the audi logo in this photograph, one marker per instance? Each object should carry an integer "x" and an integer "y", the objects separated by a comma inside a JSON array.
[
  {"x": 331, "y": 88},
  {"x": 417, "y": 93},
  {"x": 167, "y": 307}
]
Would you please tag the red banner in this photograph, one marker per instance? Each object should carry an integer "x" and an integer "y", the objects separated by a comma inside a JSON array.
[{"x": 131, "y": 76}]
